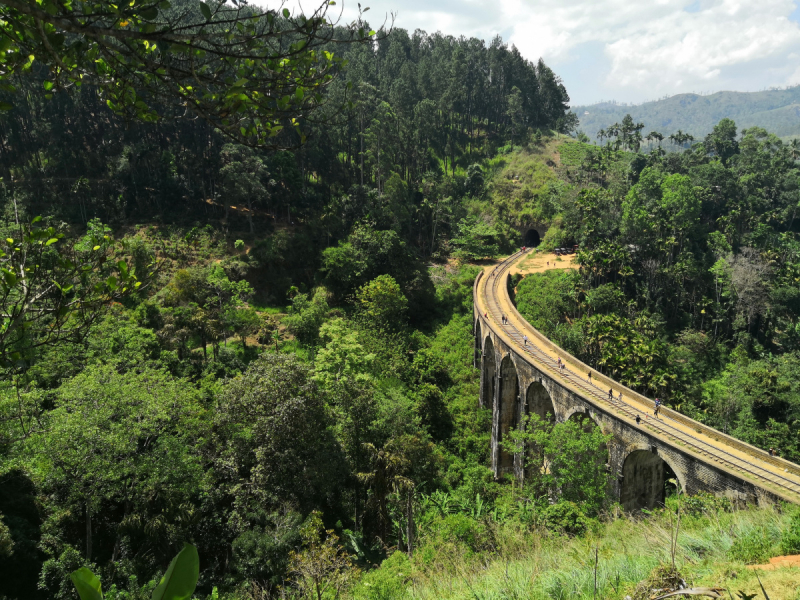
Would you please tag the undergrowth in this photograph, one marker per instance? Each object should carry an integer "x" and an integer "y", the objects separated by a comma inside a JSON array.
[{"x": 714, "y": 547}]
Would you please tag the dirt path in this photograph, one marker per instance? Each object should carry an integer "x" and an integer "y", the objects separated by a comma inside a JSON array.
[
  {"x": 779, "y": 562},
  {"x": 537, "y": 263}
]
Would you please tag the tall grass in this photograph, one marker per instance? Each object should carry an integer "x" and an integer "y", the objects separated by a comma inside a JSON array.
[{"x": 712, "y": 550}]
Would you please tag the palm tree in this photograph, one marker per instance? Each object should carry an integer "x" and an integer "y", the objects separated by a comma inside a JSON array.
[{"x": 386, "y": 477}]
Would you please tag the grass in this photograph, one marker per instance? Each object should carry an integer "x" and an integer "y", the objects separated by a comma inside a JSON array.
[{"x": 713, "y": 550}]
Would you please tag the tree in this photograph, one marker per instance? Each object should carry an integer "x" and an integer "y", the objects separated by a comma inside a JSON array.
[
  {"x": 516, "y": 114},
  {"x": 242, "y": 320},
  {"x": 382, "y": 305},
  {"x": 109, "y": 442},
  {"x": 272, "y": 439},
  {"x": 475, "y": 239},
  {"x": 323, "y": 569},
  {"x": 247, "y": 71},
  {"x": 245, "y": 179},
  {"x": 53, "y": 289},
  {"x": 721, "y": 141},
  {"x": 566, "y": 460},
  {"x": 343, "y": 357},
  {"x": 306, "y": 315}
]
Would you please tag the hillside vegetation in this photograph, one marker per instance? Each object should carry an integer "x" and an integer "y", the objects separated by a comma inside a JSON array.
[
  {"x": 266, "y": 351},
  {"x": 777, "y": 111}
]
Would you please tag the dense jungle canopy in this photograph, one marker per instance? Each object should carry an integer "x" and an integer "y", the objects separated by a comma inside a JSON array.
[{"x": 239, "y": 315}]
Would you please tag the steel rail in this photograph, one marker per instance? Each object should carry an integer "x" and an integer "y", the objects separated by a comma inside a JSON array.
[{"x": 732, "y": 463}]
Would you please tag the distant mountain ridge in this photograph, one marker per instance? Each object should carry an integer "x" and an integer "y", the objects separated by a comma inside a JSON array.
[{"x": 777, "y": 111}]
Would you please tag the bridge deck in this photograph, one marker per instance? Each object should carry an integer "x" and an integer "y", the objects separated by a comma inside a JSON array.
[{"x": 708, "y": 445}]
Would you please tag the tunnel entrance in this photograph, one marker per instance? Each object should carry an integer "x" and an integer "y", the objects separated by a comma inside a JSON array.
[
  {"x": 509, "y": 393},
  {"x": 645, "y": 481},
  {"x": 531, "y": 239}
]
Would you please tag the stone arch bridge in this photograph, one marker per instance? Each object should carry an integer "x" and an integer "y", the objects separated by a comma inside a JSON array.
[{"x": 519, "y": 379}]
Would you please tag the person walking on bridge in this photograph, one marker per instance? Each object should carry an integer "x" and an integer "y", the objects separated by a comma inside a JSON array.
[
  {"x": 525, "y": 340},
  {"x": 658, "y": 408},
  {"x": 589, "y": 378},
  {"x": 610, "y": 394}
]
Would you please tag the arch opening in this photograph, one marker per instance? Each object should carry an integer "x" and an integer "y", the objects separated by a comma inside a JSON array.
[
  {"x": 531, "y": 239},
  {"x": 488, "y": 374},
  {"x": 477, "y": 353},
  {"x": 507, "y": 412},
  {"x": 645, "y": 481},
  {"x": 539, "y": 403}
]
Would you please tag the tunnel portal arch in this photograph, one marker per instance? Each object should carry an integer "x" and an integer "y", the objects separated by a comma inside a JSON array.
[
  {"x": 531, "y": 239},
  {"x": 489, "y": 373},
  {"x": 507, "y": 412},
  {"x": 645, "y": 477}
]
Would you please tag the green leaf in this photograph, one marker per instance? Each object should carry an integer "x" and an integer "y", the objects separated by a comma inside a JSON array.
[
  {"x": 180, "y": 579},
  {"x": 6, "y": 106},
  {"x": 286, "y": 13},
  {"x": 205, "y": 10},
  {"x": 51, "y": 241},
  {"x": 87, "y": 584},
  {"x": 48, "y": 85},
  {"x": 150, "y": 13}
]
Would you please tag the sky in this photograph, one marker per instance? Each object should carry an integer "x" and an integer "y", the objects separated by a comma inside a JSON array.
[{"x": 623, "y": 50}]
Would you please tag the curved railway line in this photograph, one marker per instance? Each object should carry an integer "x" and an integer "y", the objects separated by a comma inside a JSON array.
[{"x": 770, "y": 473}]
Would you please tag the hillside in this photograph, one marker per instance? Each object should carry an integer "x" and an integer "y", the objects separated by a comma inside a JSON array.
[{"x": 778, "y": 111}]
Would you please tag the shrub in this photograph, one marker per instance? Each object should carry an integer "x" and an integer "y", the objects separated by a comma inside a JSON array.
[
  {"x": 566, "y": 517},
  {"x": 462, "y": 529},
  {"x": 790, "y": 540},
  {"x": 387, "y": 582},
  {"x": 705, "y": 503}
]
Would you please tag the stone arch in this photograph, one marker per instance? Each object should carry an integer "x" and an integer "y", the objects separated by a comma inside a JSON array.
[
  {"x": 538, "y": 402},
  {"x": 507, "y": 419},
  {"x": 488, "y": 373},
  {"x": 531, "y": 239},
  {"x": 644, "y": 477}
]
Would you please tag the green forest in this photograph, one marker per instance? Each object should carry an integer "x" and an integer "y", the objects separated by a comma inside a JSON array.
[{"x": 236, "y": 280}]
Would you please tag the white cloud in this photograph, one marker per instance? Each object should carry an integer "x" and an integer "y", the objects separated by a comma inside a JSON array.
[{"x": 647, "y": 49}]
